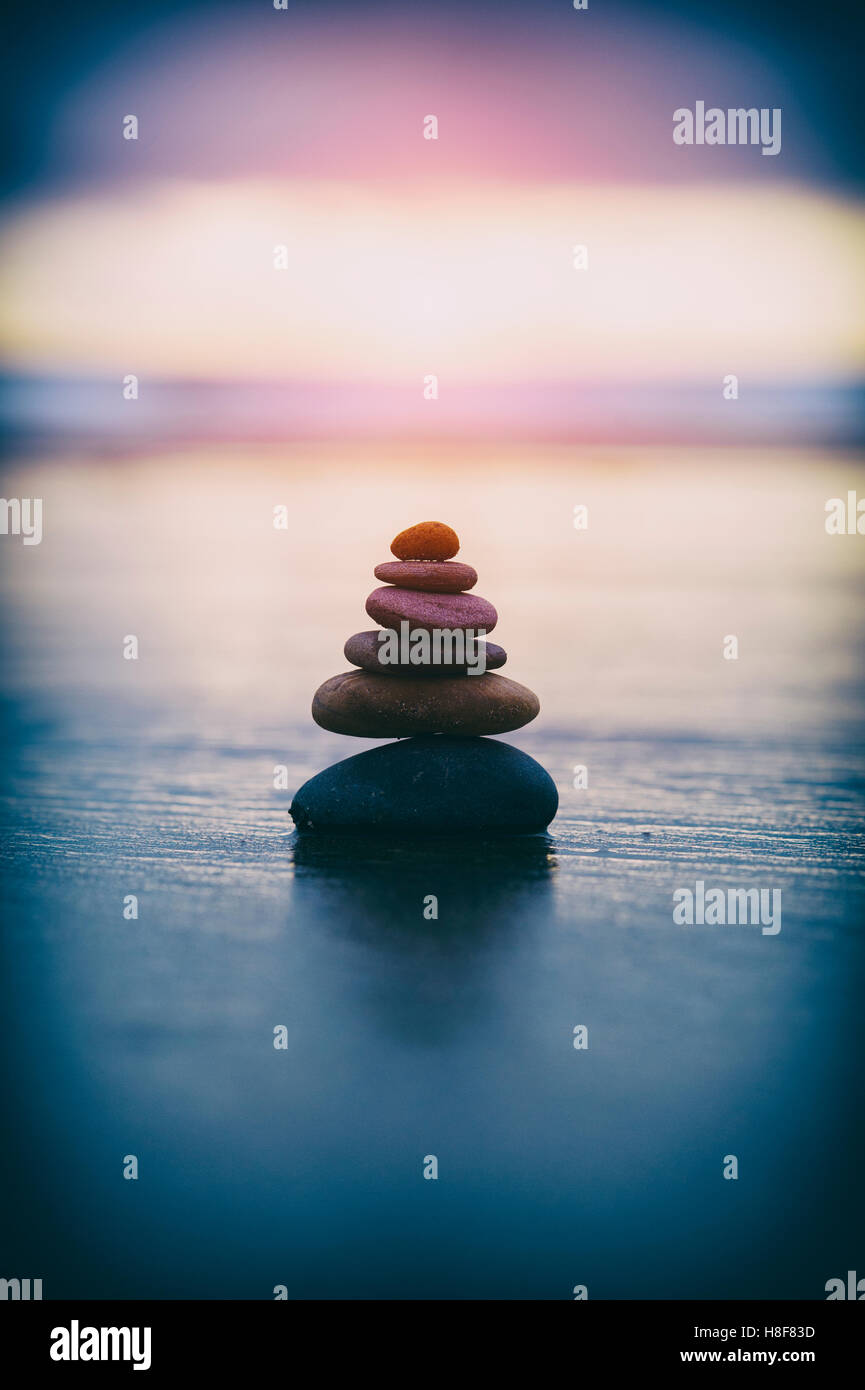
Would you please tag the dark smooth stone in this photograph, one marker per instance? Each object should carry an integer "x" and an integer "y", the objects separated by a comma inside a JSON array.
[
  {"x": 374, "y": 706},
  {"x": 390, "y": 606},
  {"x": 430, "y": 785},
  {"x": 433, "y": 576},
  {"x": 364, "y": 649}
]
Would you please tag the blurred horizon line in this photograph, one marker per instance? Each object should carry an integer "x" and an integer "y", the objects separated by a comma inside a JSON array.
[{"x": 641, "y": 411}]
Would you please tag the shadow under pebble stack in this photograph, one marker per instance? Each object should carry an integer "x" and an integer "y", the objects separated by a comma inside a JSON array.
[{"x": 441, "y": 778}]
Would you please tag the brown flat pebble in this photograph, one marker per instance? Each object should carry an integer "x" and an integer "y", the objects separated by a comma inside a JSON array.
[{"x": 378, "y": 706}]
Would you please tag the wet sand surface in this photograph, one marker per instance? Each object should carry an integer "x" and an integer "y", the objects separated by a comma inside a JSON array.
[{"x": 409, "y": 1037}]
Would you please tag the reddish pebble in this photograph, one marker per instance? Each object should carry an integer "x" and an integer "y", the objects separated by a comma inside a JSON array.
[
  {"x": 433, "y": 576},
  {"x": 429, "y": 540},
  {"x": 390, "y": 606}
]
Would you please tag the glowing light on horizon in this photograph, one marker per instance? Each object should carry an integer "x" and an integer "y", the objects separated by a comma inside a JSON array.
[{"x": 176, "y": 278}]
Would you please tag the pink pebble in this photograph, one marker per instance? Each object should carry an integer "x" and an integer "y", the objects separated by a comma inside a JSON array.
[{"x": 390, "y": 606}]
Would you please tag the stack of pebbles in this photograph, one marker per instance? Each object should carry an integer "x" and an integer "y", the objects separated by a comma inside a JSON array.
[{"x": 426, "y": 680}]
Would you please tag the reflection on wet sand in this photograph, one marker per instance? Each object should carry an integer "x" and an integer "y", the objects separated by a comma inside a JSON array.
[
  {"x": 384, "y": 881},
  {"x": 438, "y": 921}
]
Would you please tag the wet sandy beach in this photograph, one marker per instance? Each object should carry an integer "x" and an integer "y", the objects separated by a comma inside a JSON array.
[{"x": 409, "y": 1037}]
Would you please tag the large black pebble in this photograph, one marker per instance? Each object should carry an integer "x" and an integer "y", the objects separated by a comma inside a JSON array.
[{"x": 431, "y": 785}]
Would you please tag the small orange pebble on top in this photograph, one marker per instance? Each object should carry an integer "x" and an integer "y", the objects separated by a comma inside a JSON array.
[{"x": 429, "y": 540}]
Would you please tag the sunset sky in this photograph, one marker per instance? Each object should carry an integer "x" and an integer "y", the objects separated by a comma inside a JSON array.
[{"x": 406, "y": 257}]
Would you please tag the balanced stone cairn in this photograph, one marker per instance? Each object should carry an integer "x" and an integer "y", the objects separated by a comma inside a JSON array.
[{"x": 425, "y": 680}]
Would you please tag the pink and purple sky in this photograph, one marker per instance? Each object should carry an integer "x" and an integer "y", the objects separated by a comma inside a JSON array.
[{"x": 408, "y": 257}]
